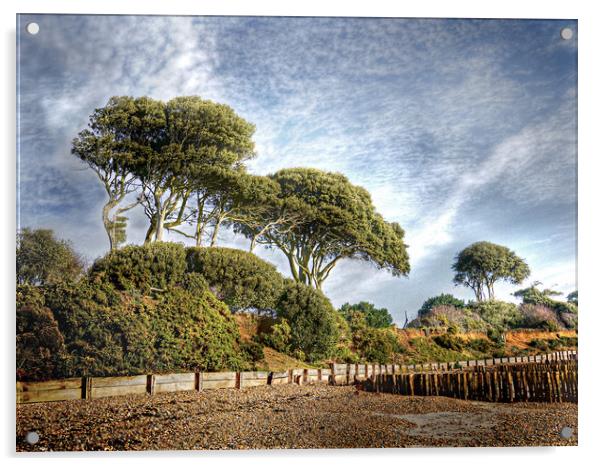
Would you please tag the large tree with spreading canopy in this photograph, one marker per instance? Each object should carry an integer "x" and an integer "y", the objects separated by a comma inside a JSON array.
[
  {"x": 319, "y": 218},
  {"x": 482, "y": 264},
  {"x": 168, "y": 151}
]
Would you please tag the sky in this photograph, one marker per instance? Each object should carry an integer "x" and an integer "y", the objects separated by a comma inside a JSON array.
[{"x": 461, "y": 130}]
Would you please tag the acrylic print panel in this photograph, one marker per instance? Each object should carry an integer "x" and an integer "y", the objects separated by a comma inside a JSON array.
[{"x": 269, "y": 232}]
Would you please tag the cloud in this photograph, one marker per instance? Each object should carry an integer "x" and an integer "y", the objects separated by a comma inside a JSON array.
[{"x": 455, "y": 127}]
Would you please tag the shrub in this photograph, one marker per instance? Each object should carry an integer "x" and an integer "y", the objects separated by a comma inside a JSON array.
[
  {"x": 40, "y": 345},
  {"x": 252, "y": 350},
  {"x": 239, "y": 278},
  {"x": 110, "y": 332},
  {"x": 450, "y": 342},
  {"x": 464, "y": 320},
  {"x": 155, "y": 265},
  {"x": 498, "y": 314},
  {"x": 441, "y": 300},
  {"x": 376, "y": 345},
  {"x": 279, "y": 336},
  {"x": 539, "y": 316},
  {"x": 312, "y": 319}
]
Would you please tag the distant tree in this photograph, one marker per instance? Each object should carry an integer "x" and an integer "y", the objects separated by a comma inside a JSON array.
[
  {"x": 572, "y": 298},
  {"x": 482, "y": 264},
  {"x": 441, "y": 300},
  {"x": 43, "y": 259},
  {"x": 374, "y": 317},
  {"x": 320, "y": 218}
]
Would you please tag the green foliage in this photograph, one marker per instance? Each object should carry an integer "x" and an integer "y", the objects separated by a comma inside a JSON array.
[
  {"x": 533, "y": 295},
  {"x": 375, "y": 318},
  {"x": 171, "y": 149},
  {"x": 553, "y": 344},
  {"x": 252, "y": 350},
  {"x": 312, "y": 319},
  {"x": 376, "y": 345},
  {"x": 499, "y": 315},
  {"x": 450, "y": 342},
  {"x": 441, "y": 300},
  {"x": 319, "y": 218},
  {"x": 460, "y": 320},
  {"x": 111, "y": 332},
  {"x": 279, "y": 337},
  {"x": 40, "y": 346},
  {"x": 573, "y": 298},
  {"x": 482, "y": 264},
  {"x": 155, "y": 265},
  {"x": 43, "y": 259},
  {"x": 239, "y": 278}
]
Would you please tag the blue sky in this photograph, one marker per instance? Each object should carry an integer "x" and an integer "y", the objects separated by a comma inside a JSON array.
[{"x": 462, "y": 130}]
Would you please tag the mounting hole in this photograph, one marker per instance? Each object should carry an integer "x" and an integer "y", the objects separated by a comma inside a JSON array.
[
  {"x": 32, "y": 438},
  {"x": 566, "y": 33},
  {"x": 33, "y": 28},
  {"x": 566, "y": 432}
]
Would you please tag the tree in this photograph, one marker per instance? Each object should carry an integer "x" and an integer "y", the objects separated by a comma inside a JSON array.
[
  {"x": 116, "y": 135},
  {"x": 319, "y": 218},
  {"x": 573, "y": 298},
  {"x": 373, "y": 317},
  {"x": 312, "y": 319},
  {"x": 482, "y": 264},
  {"x": 199, "y": 136},
  {"x": 42, "y": 259},
  {"x": 239, "y": 278},
  {"x": 441, "y": 300},
  {"x": 166, "y": 150}
]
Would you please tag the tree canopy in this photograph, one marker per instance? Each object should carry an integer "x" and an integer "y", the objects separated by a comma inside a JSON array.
[
  {"x": 482, "y": 264},
  {"x": 373, "y": 317},
  {"x": 43, "y": 259},
  {"x": 319, "y": 218},
  {"x": 166, "y": 151}
]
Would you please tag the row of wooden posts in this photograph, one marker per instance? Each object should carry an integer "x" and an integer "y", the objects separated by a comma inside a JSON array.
[
  {"x": 548, "y": 381},
  {"x": 336, "y": 374}
]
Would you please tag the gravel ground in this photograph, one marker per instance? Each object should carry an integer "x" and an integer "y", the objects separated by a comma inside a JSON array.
[{"x": 288, "y": 416}]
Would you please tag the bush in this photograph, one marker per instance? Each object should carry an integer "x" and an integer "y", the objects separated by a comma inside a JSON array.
[
  {"x": 279, "y": 336},
  {"x": 441, "y": 300},
  {"x": 449, "y": 342},
  {"x": 376, "y": 345},
  {"x": 40, "y": 345},
  {"x": 312, "y": 319},
  {"x": 110, "y": 332},
  {"x": 499, "y": 315},
  {"x": 252, "y": 350},
  {"x": 460, "y": 320},
  {"x": 155, "y": 265},
  {"x": 539, "y": 316},
  {"x": 239, "y": 278}
]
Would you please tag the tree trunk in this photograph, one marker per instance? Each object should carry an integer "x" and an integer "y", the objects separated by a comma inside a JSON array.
[
  {"x": 215, "y": 232},
  {"x": 106, "y": 209}
]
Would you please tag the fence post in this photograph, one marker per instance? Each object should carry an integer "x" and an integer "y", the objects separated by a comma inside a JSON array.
[
  {"x": 86, "y": 388},
  {"x": 238, "y": 380},
  {"x": 150, "y": 384}
]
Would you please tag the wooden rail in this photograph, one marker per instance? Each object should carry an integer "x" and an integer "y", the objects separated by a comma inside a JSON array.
[{"x": 342, "y": 374}]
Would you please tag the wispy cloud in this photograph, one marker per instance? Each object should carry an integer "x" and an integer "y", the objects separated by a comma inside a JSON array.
[{"x": 436, "y": 118}]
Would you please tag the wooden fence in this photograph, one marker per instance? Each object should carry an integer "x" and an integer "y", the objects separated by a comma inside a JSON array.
[
  {"x": 548, "y": 381},
  {"x": 340, "y": 374}
]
